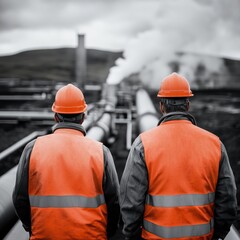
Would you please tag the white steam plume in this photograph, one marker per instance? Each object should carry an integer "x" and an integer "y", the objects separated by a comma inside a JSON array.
[
  {"x": 201, "y": 71},
  {"x": 203, "y": 27}
]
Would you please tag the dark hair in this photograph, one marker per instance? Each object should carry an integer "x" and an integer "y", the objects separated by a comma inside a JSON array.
[
  {"x": 73, "y": 118},
  {"x": 175, "y": 104}
]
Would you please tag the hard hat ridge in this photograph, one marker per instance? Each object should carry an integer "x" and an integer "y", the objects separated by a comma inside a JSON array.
[
  {"x": 69, "y": 100},
  {"x": 174, "y": 86}
]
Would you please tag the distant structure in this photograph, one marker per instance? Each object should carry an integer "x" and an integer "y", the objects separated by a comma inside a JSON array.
[{"x": 81, "y": 62}]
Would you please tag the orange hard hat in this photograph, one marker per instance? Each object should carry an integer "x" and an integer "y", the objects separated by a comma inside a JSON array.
[
  {"x": 174, "y": 85},
  {"x": 69, "y": 100}
]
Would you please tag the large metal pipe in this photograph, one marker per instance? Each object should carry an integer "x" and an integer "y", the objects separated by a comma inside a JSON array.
[
  {"x": 17, "y": 232},
  {"x": 21, "y": 143},
  {"x": 233, "y": 234},
  {"x": 7, "y": 212},
  {"x": 101, "y": 130},
  {"x": 7, "y": 181},
  {"x": 34, "y": 115},
  {"x": 146, "y": 112}
]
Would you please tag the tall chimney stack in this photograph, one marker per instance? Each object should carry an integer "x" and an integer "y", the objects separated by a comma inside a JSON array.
[{"x": 81, "y": 62}]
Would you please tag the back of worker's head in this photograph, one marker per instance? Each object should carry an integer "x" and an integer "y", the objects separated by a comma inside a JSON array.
[
  {"x": 69, "y": 105},
  {"x": 174, "y": 94}
]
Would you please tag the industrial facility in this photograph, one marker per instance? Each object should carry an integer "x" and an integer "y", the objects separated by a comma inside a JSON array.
[{"x": 117, "y": 114}]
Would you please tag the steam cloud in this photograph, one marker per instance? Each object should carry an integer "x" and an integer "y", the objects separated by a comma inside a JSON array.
[
  {"x": 157, "y": 29},
  {"x": 203, "y": 27}
]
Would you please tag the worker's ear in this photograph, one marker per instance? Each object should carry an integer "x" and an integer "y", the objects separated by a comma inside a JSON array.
[
  {"x": 162, "y": 109},
  {"x": 82, "y": 118},
  {"x": 56, "y": 118},
  {"x": 188, "y": 105}
]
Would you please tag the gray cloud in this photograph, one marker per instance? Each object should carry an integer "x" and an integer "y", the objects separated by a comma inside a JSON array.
[
  {"x": 112, "y": 24},
  {"x": 34, "y": 14},
  {"x": 209, "y": 28}
]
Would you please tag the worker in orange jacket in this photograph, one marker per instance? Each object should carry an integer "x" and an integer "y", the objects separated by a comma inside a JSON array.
[
  {"x": 67, "y": 186},
  {"x": 177, "y": 182}
]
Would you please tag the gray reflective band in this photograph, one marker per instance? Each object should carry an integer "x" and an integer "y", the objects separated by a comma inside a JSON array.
[
  {"x": 66, "y": 201},
  {"x": 180, "y": 200},
  {"x": 180, "y": 231}
]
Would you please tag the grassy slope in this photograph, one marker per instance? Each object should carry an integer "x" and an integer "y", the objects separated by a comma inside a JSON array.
[{"x": 56, "y": 64}]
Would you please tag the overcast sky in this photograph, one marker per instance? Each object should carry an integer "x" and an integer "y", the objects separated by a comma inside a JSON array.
[{"x": 205, "y": 26}]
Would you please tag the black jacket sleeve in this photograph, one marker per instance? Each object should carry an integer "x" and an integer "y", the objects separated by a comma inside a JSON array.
[
  {"x": 133, "y": 190},
  {"x": 111, "y": 192},
  {"x": 20, "y": 192},
  {"x": 225, "y": 211}
]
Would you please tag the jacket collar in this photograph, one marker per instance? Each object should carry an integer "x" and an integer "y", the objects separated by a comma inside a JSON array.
[
  {"x": 177, "y": 116},
  {"x": 69, "y": 125}
]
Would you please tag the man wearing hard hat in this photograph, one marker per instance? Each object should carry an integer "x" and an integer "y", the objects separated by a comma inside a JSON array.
[
  {"x": 67, "y": 186},
  {"x": 177, "y": 183}
]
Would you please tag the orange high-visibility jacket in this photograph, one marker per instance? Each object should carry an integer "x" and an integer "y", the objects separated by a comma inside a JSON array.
[
  {"x": 182, "y": 162},
  {"x": 65, "y": 187}
]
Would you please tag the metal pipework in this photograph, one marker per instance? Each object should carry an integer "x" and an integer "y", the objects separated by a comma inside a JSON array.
[
  {"x": 39, "y": 115},
  {"x": 101, "y": 130},
  {"x": 21, "y": 143},
  {"x": 7, "y": 212},
  {"x": 146, "y": 112},
  {"x": 233, "y": 234},
  {"x": 109, "y": 94},
  {"x": 17, "y": 232}
]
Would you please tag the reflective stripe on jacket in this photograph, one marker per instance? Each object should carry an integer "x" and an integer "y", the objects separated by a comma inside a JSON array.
[
  {"x": 182, "y": 181},
  {"x": 65, "y": 187}
]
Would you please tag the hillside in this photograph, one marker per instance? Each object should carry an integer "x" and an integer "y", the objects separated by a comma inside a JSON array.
[{"x": 56, "y": 65}]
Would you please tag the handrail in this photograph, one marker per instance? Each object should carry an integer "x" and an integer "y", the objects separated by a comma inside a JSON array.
[{"x": 21, "y": 143}]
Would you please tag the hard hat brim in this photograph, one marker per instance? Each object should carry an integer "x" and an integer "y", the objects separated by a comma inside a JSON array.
[{"x": 69, "y": 110}]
